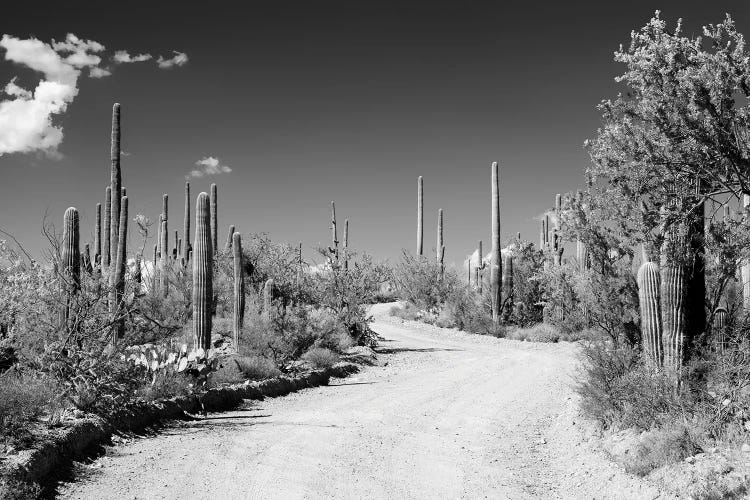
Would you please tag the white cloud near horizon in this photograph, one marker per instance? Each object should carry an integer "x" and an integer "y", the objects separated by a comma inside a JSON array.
[
  {"x": 179, "y": 59},
  {"x": 208, "y": 166},
  {"x": 26, "y": 117}
]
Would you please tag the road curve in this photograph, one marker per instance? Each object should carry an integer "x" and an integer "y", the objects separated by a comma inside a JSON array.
[{"x": 449, "y": 415}]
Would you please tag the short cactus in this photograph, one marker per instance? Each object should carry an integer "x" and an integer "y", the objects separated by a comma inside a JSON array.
[
  {"x": 70, "y": 265},
  {"x": 334, "y": 250},
  {"x": 649, "y": 288},
  {"x": 86, "y": 260},
  {"x": 203, "y": 266},
  {"x": 239, "y": 288},
  {"x": 721, "y": 317},
  {"x": 496, "y": 265}
]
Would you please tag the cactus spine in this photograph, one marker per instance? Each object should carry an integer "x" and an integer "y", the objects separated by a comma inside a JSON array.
[
  {"x": 649, "y": 287},
  {"x": 107, "y": 223},
  {"x": 239, "y": 289},
  {"x": 117, "y": 280},
  {"x": 268, "y": 299},
  {"x": 186, "y": 225},
  {"x": 507, "y": 285},
  {"x": 230, "y": 238},
  {"x": 115, "y": 183},
  {"x": 214, "y": 217},
  {"x": 202, "y": 274},
  {"x": 495, "y": 264},
  {"x": 70, "y": 258},
  {"x": 420, "y": 216}
]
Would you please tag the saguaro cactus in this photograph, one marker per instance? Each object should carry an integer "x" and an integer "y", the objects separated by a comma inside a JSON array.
[
  {"x": 98, "y": 235},
  {"x": 186, "y": 225},
  {"x": 202, "y": 274},
  {"x": 439, "y": 246},
  {"x": 107, "y": 223},
  {"x": 673, "y": 297},
  {"x": 155, "y": 271},
  {"x": 115, "y": 183},
  {"x": 480, "y": 268},
  {"x": 649, "y": 286},
  {"x": 268, "y": 290},
  {"x": 496, "y": 263},
  {"x": 164, "y": 261},
  {"x": 214, "y": 217},
  {"x": 137, "y": 273},
  {"x": 346, "y": 244},
  {"x": 507, "y": 285},
  {"x": 420, "y": 216},
  {"x": 721, "y": 316},
  {"x": 70, "y": 260},
  {"x": 239, "y": 288},
  {"x": 86, "y": 260},
  {"x": 230, "y": 238},
  {"x": 334, "y": 250},
  {"x": 117, "y": 280}
]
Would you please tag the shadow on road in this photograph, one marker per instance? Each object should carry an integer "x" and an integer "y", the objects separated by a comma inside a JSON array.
[{"x": 395, "y": 350}]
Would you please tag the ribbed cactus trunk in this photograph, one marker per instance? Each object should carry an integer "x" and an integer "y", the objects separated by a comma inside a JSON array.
[
  {"x": 674, "y": 314},
  {"x": 70, "y": 266},
  {"x": 582, "y": 255},
  {"x": 649, "y": 289},
  {"x": 721, "y": 318},
  {"x": 107, "y": 223},
  {"x": 138, "y": 273},
  {"x": 496, "y": 263},
  {"x": 420, "y": 216},
  {"x": 115, "y": 183},
  {"x": 542, "y": 235},
  {"x": 202, "y": 274},
  {"x": 186, "y": 226},
  {"x": 155, "y": 272},
  {"x": 98, "y": 236},
  {"x": 230, "y": 238},
  {"x": 439, "y": 245},
  {"x": 239, "y": 289},
  {"x": 214, "y": 217},
  {"x": 507, "y": 285},
  {"x": 117, "y": 277},
  {"x": 164, "y": 261},
  {"x": 346, "y": 244},
  {"x": 176, "y": 249},
  {"x": 268, "y": 290},
  {"x": 334, "y": 250}
]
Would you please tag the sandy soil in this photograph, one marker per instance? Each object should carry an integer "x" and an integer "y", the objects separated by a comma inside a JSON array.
[{"x": 448, "y": 415}]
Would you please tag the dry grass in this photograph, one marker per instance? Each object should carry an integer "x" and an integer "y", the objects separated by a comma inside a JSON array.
[{"x": 320, "y": 357}]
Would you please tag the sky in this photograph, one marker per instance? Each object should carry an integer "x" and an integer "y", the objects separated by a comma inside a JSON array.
[{"x": 287, "y": 105}]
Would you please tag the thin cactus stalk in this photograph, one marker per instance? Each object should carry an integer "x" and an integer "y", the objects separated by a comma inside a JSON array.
[
  {"x": 214, "y": 217},
  {"x": 346, "y": 244},
  {"x": 155, "y": 272},
  {"x": 164, "y": 261},
  {"x": 98, "y": 234},
  {"x": 496, "y": 263},
  {"x": 507, "y": 285},
  {"x": 70, "y": 268},
  {"x": 420, "y": 216},
  {"x": 441, "y": 261},
  {"x": 439, "y": 246},
  {"x": 86, "y": 260},
  {"x": 542, "y": 235},
  {"x": 721, "y": 316},
  {"x": 230, "y": 238},
  {"x": 745, "y": 270},
  {"x": 334, "y": 250},
  {"x": 481, "y": 267},
  {"x": 468, "y": 271},
  {"x": 176, "y": 249},
  {"x": 186, "y": 225},
  {"x": 649, "y": 288},
  {"x": 117, "y": 283},
  {"x": 268, "y": 290},
  {"x": 179, "y": 249},
  {"x": 137, "y": 273},
  {"x": 115, "y": 183},
  {"x": 158, "y": 234},
  {"x": 165, "y": 206},
  {"x": 107, "y": 223},
  {"x": 239, "y": 289},
  {"x": 202, "y": 274}
]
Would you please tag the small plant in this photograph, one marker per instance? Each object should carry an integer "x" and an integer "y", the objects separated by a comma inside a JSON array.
[{"x": 320, "y": 357}]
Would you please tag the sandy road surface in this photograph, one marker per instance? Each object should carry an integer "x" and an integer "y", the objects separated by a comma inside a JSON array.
[{"x": 451, "y": 415}]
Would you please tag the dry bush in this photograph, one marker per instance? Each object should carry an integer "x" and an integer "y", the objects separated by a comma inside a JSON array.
[
  {"x": 320, "y": 357},
  {"x": 541, "y": 332},
  {"x": 660, "y": 447},
  {"x": 23, "y": 399},
  {"x": 256, "y": 367}
]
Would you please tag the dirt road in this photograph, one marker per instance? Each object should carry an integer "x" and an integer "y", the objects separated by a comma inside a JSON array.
[{"x": 450, "y": 415}]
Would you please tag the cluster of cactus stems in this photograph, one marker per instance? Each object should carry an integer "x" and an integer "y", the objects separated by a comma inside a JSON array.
[
  {"x": 420, "y": 216},
  {"x": 70, "y": 265},
  {"x": 117, "y": 276},
  {"x": 496, "y": 265},
  {"x": 202, "y": 274},
  {"x": 239, "y": 288}
]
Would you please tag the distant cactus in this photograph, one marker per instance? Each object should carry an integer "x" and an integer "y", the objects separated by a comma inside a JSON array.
[
  {"x": 649, "y": 289},
  {"x": 186, "y": 225},
  {"x": 542, "y": 236},
  {"x": 98, "y": 235},
  {"x": 420, "y": 216},
  {"x": 346, "y": 244},
  {"x": 137, "y": 273},
  {"x": 482, "y": 265},
  {"x": 334, "y": 250},
  {"x": 439, "y": 246},
  {"x": 117, "y": 277},
  {"x": 165, "y": 206},
  {"x": 164, "y": 261},
  {"x": 582, "y": 256},
  {"x": 202, "y": 274},
  {"x": 214, "y": 217},
  {"x": 107, "y": 223},
  {"x": 115, "y": 183},
  {"x": 230, "y": 239},
  {"x": 441, "y": 261},
  {"x": 721, "y": 317},
  {"x": 176, "y": 249},
  {"x": 239, "y": 288},
  {"x": 496, "y": 262},
  {"x": 86, "y": 260},
  {"x": 507, "y": 285},
  {"x": 70, "y": 265},
  {"x": 155, "y": 272},
  {"x": 268, "y": 291}
]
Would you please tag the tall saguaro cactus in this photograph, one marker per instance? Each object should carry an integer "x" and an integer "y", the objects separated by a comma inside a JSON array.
[
  {"x": 439, "y": 246},
  {"x": 214, "y": 217},
  {"x": 496, "y": 262},
  {"x": 164, "y": 260},
  {"x": 202, "y": 274},
  {"x": 420, "y": 216},
  {"x": 107, "y": 223},
  {"x": 346, "y": 244},
  {"x": 115, "y": 183},
  {"x": 334, "y": 250},
  {"x": 239, "y": 289},
  {"x": 117, "y": 280},
  {"x": 98, "y": 236},
  {"x": 649, "y": 289},
  {"x": 70, "y": 260},
  {"x": 186, "y": 225},
  {"x": 673, "y": 298}
]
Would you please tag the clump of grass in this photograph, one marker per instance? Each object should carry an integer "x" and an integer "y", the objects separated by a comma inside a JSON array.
[
  {"x": 407, "y": 311},
  {"x": 23, "y": 399},
  {"x": 255, "y": 367},
  {"x": 320, "y": 357},
  {"x": 660, "y": 447},
  {"x": 166, "y": 384},
  {"x": 541, "y": 332}
]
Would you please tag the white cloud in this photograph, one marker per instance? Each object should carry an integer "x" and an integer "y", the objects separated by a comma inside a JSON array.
[
  {"x": 122, "y": 56},
  {"x": 179, "y": 59},
  {"x": 26, "y": 118},
  {"x": 208, "y": 166}
]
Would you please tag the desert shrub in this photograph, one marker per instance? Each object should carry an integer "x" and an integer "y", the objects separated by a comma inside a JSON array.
[
  {"x": 406, "y": 311},
  {"x": 255, "y": 367},
  {"x": 465, "y": 310},
  {"x": 14, "y": 489},
  {"x": 659, "y": 447},
  {"x": 421, "y": 281},
  {"x": 320, "y": 357},
  {"x": 165, "y": 384},
  {"x": 24, "y": 398},
  {"x": 541, "y": 332},
  {"x": 527, "y": 288}
]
